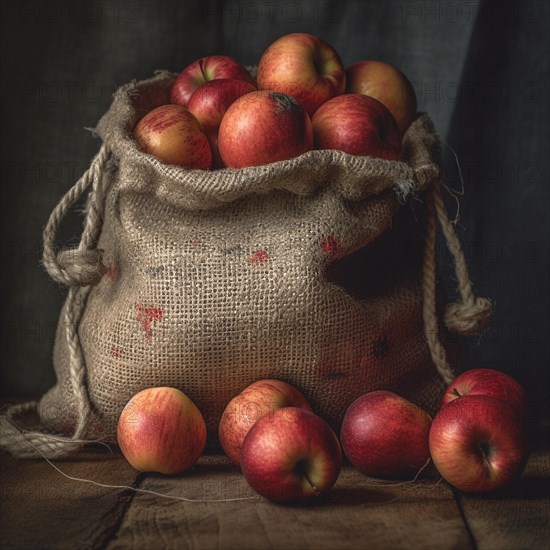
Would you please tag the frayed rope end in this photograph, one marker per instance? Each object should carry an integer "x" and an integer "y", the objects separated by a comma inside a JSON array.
[{"x": 403, "y": 189}]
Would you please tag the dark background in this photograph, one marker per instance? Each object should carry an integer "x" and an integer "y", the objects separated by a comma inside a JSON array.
[{"x": 480, "y": 68}]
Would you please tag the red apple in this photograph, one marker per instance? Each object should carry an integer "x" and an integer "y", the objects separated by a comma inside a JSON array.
[
  {"x": 385, "y": 435},
  {"x": 489, "y": 382},
  {"x": 291, "y": 455},
  {"x": 264, "y": 127},
  {"x": 387, "y": 84},
  {"x": 173, "y": 135},
  {"x": 257, "y": 400},
  {"x": 203, "y": 70},
  {"x": 478, "y": 443},
  {"x": 358, "y": 125},
  {"x": 303, "y": 66},
  {"x": 161, "y": 430},
  {"x": 209, "y": 103}
]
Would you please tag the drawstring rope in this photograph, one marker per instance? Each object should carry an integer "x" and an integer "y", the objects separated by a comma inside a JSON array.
[
  {"x": 82, "y": 267},
  {"x": 79, "y": 269},
  {"x": 468, "y": 316}
]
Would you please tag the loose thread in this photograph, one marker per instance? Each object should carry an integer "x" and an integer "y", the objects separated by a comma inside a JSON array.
[
  {"x": 453, "y": 192},
  {"x": 438, "y": 482},
  {"x": 136, "y": 489},
  {"x": 408, "y": 482},
  {"x": 461, "y": 192},
  {"x": 379, "y": 504}
]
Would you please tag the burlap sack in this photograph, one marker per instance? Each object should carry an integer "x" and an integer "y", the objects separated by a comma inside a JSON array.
[{"x": 210, "y": 280}]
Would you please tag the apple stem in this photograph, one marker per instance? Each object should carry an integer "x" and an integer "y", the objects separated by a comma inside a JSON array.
[
  {"x": 202, "y": 69},
  {"x": 485, "y": 457},
  {"x": 314, "y": 487},
  {"x": 302, "y": 471},
  {"x": 456, "y": 392}
]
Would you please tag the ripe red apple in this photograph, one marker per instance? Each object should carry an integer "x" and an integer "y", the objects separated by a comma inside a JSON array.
[
  {"x": 385, "y": 435},
  {"x": 202, "y": 70},
  {"x": 173, "y": 135},
  {"x": 489, "y": 382},
  {"x": 264, "y": 127},
  {"x": 478, "y": 443},
  {"x": 387, "y": 84},
  {"x": 161, "y": 430},
  {"x": 257, "y": 400},
  {"x": 358, "y": 125},
  {"x": 209, "y": 103},
  {"x": 291, "y": 455},
  {"x": 303, "y": 66}
]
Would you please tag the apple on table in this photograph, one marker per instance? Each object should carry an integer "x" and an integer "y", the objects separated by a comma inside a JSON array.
[
  {"x": 161, "y": 430},
  {"x": 256, "y": 400},
  {"x": 385, "y": 435},
  {"x": 492, "y": 383},
  {"x": 478, "y": 443},
  {"x": 291, "y": 456}
]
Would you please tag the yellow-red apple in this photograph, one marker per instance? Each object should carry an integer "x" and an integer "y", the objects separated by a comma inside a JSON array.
[
  {"x": 387, "y": 84},
  {"x": 173, "y": 135},
  {"x": 303, "y": 66},
  {"x": 260, "y": 398},
  {"x": 161, "y": 430}
]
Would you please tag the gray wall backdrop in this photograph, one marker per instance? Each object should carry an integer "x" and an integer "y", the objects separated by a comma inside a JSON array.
[{"x": 480, "y": 68}]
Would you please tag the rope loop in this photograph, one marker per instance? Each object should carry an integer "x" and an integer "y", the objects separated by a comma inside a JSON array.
[
  {"x": 470, "y": 315},
  {"x": 80, "y": 269},
  {"x": 468, "y": 319},
  {"x": 82, "y": 266}
]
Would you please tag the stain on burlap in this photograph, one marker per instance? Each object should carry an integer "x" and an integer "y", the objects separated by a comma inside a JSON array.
[{"x": 216, "y": 279}]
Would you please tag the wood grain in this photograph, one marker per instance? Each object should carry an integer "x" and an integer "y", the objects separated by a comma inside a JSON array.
[
  {"x": 39, "y": 508},
  {"x": 359, "y": 512},
  {"x": 517, "y": 517}
]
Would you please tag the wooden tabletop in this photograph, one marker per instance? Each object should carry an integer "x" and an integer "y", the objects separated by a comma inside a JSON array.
[{"x": 40, "y": 508}]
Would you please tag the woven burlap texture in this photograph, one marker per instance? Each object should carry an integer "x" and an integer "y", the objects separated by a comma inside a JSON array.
[{"x": 210, "y": 280}]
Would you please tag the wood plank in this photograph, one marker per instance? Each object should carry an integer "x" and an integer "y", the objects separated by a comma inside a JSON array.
[
  {"x": 360, "y": 512},
  {"x": 517, "y": 517},
  {"x": 39, "y": 508}
]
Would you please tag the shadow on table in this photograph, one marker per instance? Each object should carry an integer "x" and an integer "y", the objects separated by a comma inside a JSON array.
[
  {"x": 527, "y": 487},
  {"x": 361, "y": 495}
]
